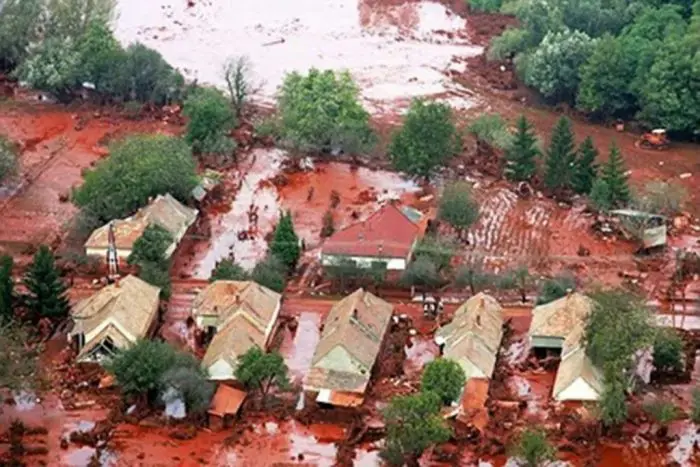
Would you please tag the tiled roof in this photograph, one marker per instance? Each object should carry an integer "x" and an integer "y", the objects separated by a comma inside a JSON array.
[
  {"x": 323, "y": 378},
  {"x": 226, "y": 401},
  {"x": 224, "y": 299},
  {"x": 233, "y": 340},
  {"x": 387, "y": 233},
  {"x": 560, "y": 317},
  {"x": 126, "y": 232}
]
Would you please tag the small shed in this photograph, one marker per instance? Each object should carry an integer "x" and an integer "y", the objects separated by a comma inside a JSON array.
[{"x": 224, "y": 407}]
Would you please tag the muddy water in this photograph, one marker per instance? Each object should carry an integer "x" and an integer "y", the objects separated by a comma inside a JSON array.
[{"x": 298, "y": 348}]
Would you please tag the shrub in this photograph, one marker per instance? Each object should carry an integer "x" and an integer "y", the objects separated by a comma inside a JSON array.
[
  {"x": 668, "y": 351},
  {"x": 487, "y": 6},
  {"x": 8, "y": 159},
  {"x": 270, "y": 273},
  {"x": 210, "y": 119},
  {"x": 457, "y": 207},
  {"x": 492, "y": 129},
  {"x": 533, "y": 448},
  {"x": 555, "y": 288},
  {"x": 662, "y": 411},
  {"x": 151, "y": 246},
  {"x": 445, "y": 378},
  {"x": 695, "y": 407},
  {"x": 228, "y": 270}
]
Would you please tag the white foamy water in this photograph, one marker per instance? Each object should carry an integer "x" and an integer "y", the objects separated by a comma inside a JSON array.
[{"x": 393, "y": 52}]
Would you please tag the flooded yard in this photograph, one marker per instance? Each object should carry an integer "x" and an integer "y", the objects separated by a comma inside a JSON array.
[{"x": 298, "y": 347}]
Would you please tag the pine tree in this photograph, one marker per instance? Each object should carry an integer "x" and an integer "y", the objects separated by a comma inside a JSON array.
[
  {"x": 560, "y": 156},
  {"x": 521, "y": 154},
  {"x": 585, "y": 168},
  {"x": 47, "y": 292},
  {"x": 6, "y": 289},
  {"x": 285, "y": 243},
  {"x": 614, "y": 175}
]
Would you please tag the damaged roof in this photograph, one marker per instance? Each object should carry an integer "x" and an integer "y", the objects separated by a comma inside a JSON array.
[
  {"x": 560, "y": 317},
  {"x": 164, "y": 210},
  {"x": 234, "y": 340},
  {"x": 357, "y": 325},
  {"x": 224, "y": 299},
  {"x": 573, "y": 366},
  {"x": 387, "y": 233},
  {"x": 124, "y": 311},
  {"x": 226, "y": 401}
]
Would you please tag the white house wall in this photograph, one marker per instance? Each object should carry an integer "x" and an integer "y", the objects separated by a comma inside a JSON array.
[
  {"x": 579, "y": 390},
  {"x": 102, "y": 252},
  {"x": 340, "y": 360},
  {"x": 392, "y": 264},
  {"x": 470, "y": 370},
  {"x": 220, "y": 370}
]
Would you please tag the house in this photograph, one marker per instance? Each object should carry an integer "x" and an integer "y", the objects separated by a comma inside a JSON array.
[
  {"x": 239, "y": 315},
  {"x": 114, "y": 318},
  {"x": 473, "y": 338},
  {"x": 164, "y": 210},
  {"x": 224, "y": 407},
  {"x": 388, "y": 237},
  {"x": 352, "y": 338},
  {"x": 561, "y": 325}
]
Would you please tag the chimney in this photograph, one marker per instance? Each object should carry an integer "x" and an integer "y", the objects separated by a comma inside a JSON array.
[
  {"x": 478, "y": 320},
  {"x": 238, "y": 299},
  {"x": 482, "y": 302},
  {"x": 354, "y": 313}
]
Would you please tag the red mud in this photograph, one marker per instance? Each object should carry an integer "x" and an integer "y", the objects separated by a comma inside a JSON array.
[{"x": 298, "y": 346}]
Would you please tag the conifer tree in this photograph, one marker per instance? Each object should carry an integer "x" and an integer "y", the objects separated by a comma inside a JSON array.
[
  {"x": 560, "y": 156},
  {"x": 285, "y": 243},
  {"x": 614, "y": 175},
  {"x": 521, "y": 154},
  {"x": 6, "y": 289},
  {"x": 585, "y": 168},
  {"x": 47, "y": 292}
]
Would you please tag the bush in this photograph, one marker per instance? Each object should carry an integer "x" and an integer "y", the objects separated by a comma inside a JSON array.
[
  {"x": 662, "y": 412},
  {"x": 668, "y": 351},
  {"x": 210, "y": 118},
  {"x": 228, "y": 270},
  {"x": 555, "y": 288},
  {"x": 151, "y": 246},
  {"x": 510, "y": 42},
  {"x": 270, "y": 273},
  {"x": 492, "y": 129},
  {"x": 8, "y": 159},
  {"x": 457, "y": 207},
  {"x": 150, "y": 78},
  {"x": 695, "y": 408},
  {"x": 474, "y": 277},
  {"x": 53, "y": 66},
  {"x": 139, "y": 167},
  {"x": 427, "y": 139},
  {"x": 445, "y": 378},
  {"x": 439, "y": 250},
  {"x": 421, "y": 272},
  {"x": 662, "y": 198},
  {"x": 487, "y": 6},
  {"x": 533, "y": 448},
  {"x": 600, "y": 198},
  {"x": 321, "y": 111},
  {"x": 156, "y": 274},
  {"x": 192, "y": 385}
]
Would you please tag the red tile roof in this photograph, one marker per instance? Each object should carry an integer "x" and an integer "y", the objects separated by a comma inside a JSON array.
[
  {"x": 226, "y": 401},
  {"x": 387, "y": 233}
]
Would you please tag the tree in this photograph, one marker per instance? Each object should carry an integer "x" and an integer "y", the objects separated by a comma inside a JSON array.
[
  {"x": 600, "y": 196},
  {"x": 237, "y": 73},
  {"x": 533, "y": 448},
  {"x": 427, "y": 139},
  {"x": 321, "y": 111},
  {"x": 473, "y": 276},
  {"x": 156, "y": 274},
  {"x": 585, "y": 168},
  {"x": 555, "y": 288},
  {"x": 328, "y": 227},
  {"x": 491, "y": 129},
  {"x": 53, "y": 66},
  {"x": 561, "y": 156},
  {"x": 285, "y": 242},
  {"x": 151, "y": 246},
  {"x": 487, "y": 6},
  {"x": 519, "y": 279},
  {"x": 422, "y": 272},
  {"x": 413, "y": 424},
  {"x": 19, "y": 21},
  {"x": 101, "y": 60},
  {"x": 7, "y": 290},
  {"x": 72, "y": 18},
  {"x": 445, "y": 378},
  {"x": 210, "y": 118},
  {"x": 668, "y": 351},
  {"x": 191, "y": 384},
  {"x": 261, "y": 371},
  {"x": 349, "y": 274},
  {"x": 270, "y": 273},
  {"x": 19, "y": 358},
  {"x": 47, "y": 292},
  {"x": 614, "y": 175},
  {"x": 438, "y": 249},
  {"x": 553, "y": 68},
  {"x": 8, "y": 159},
  {"x": 510, "y": 42},
  {"x": 150, "y": 79},
  {"x": 612, "y": 404},
  {"x": 521, "y": 154},
  {"x": 140, "y": 370},
  {"x": 228, "y": 270},
  {"x": 139, "y": 167},
  {"x": 457, "y": 207},
  {"x": 606, "y": 84}
]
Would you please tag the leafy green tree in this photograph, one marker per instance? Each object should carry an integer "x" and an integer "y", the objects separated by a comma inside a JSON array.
[
  {"x": 427, "y": 139},
  {"x": 561, "y": 156},
  {"x": 519, "y": 279},
  {"x": 321, "y": 111},
  {"x": 614, "y": 174},
  {"x": 457, "y": 207},
  {"x": 270, "y": 273},
  {"x": 606, "y": 84},
  {"x": 413, "y": 424},
  {"x": 439, "y": 249},
  {"x": 19, "y": 360},
  {"x": 600, "y": 196},
  {"x": 521, "y": 155},
  {"x": 487, "y": 6},
  {"x": 47, "y": 292},
  {"x": 285, "y": 242},
  {"x": 139, "y": 167},
  {"x": 445, "y": 378},
  {"x": 7, "y": 290},
  {"x": 261, "y": 371},
  {"x": 8, "y": 159},
  {"x": 663, "y": 412},
  {"x": 422, "y": 272},
  {"x": 53, "y": 66},
  {"x": 150, "y": 79},
  {"x": 19, "y": 27},
  {"x": 533, "y": 448},
  {"x": 72, "y": 18},
  {"x": 585, "y": 167},
  {"x": 668, "y": 351},
  {"x": 228, "y": 270},
  {"x": 553, "y": 68},
  {"x": 191, "y": 384},
  {"x": 141, "y": 369},
  {"x": 151, "y": 246},
  {"x": 510, "y": 42},
  {"x": 474, "y": 277},
  {"x": 491, "y": 129},
  {"x": 555, "y": 288},
  {"x": 101, "y": 60},
  {"x": 348, "y": 274},
  {"x": 613, "y": 404},
  {"x": 156, "y": 274},
  {"x": 210, "y": 117}
]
